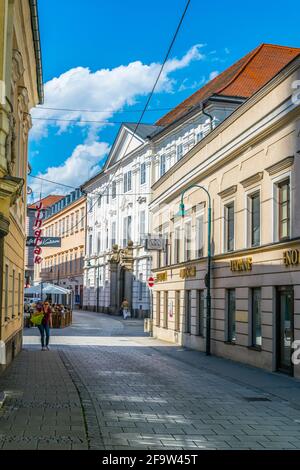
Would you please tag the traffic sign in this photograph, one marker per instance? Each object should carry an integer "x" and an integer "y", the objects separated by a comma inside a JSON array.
[{"x": 150, "y": 281}]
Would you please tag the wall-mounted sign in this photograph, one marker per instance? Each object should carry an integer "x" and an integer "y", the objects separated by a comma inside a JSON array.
[
  {"x": 155, "y": 243},
  {"x": 189, "y": 271},
  {"x": 37, "y": 227},
  {"x": 160, "y": 277},
  {"x": 45, "y": 241},
  {"x": 291, "y": 257},
  {"x": 242, "y": 264}
]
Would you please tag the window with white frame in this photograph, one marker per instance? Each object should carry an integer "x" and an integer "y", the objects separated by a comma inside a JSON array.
[
  {"x": 199, "y": 252},
  {"x": 98, "y": 242},
  {"x": 126, "y": 230},
  {"x": 198, "y": 136},
  {"x": 254, "y": 219},
  {"x": 113, "y": 233},
  {"x": 127, "y": 182},
  {"x": 142, "y": 224},
  {"x": 177, "y": 245},
  {"x": 114, "y": 190},
  {"x": 143, "y": 173},
  {"x": 179, "y": 151},
  {"x": 187, "y": 241},
  {"x": 229, "y": 226},
  {"x": 283, "y": 209},
  {"x": 162, "y": 165},
  {"x": 99, "y": 201}
]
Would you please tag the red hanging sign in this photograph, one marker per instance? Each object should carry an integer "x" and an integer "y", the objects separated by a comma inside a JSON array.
[{"x": 37, "y": 227}]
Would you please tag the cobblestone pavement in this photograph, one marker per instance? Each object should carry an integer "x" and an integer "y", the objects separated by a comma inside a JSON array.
[{"x": 106, "y": 385}]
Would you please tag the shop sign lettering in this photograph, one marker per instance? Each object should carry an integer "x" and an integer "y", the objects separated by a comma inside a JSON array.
[
  {"x": 242, "y": 264},
  {"x": 291, "y": 257}
]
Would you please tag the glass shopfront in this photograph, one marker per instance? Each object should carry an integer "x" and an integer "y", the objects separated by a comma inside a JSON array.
[{"x": 285, "y": 313}]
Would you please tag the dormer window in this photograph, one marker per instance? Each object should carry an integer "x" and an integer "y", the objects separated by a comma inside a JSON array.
[{"x": 179, "y": 151}]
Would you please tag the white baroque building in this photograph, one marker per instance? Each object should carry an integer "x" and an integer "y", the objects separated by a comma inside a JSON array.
[{"x": 119, "y": 196}]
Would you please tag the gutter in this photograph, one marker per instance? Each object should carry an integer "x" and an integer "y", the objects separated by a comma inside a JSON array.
[{"x": 37, "y": 48}]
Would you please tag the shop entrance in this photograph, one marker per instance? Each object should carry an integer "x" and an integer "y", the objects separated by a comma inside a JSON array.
[{"x": 285, "y": 328}]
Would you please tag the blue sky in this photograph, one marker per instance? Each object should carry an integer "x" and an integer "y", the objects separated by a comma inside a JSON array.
[{"x": 102, "y": 55}]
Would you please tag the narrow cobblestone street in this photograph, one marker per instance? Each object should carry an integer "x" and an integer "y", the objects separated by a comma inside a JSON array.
[{"x": 106, "y": 385}]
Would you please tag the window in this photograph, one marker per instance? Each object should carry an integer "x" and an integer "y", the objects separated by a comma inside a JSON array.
[
  {"x": 90, "y": 245},
  {"x": 13, "y": 294},
  {"x": 229, "y": 227},
  {"x": 188, "y": 308},
  {"x": 6, "y": 292},
  {"x": 76, "y": 220},
  {"x": 126, "y": 230},
  {"x": 177, "y": 245},
  {"x": 199, "y": 136},
  {"x": 158, "y": 308},
  {"x": 179, "y": 151},
  {"x": 256, "y": 317},
  {"x": 162, "y": 165},
  {"x": 199, "y": 236},
  {"x": 113, "y": 233},
  {"x": 177, "y": 310},
  {"x": 72, "y": 223},
  {"x": 107, "y": 195},
  {"x": 19, "y": 294},
  {"x": 188, "y": 241},
  {"x": 113, "y": 190},
  {"x": 254, "y": 219},
  {"x": 66, "y": 264},
  {"x": 143, "y": 173},
  {"x": 284, "y": 209},
  {"x": 231, "y": 330},
  {"x": 165, "y": 309},
  {"x": 127, "y": 182},
  {"x": 67, "y": 225},
  {"x": 98, "y": 242},
  {"x": 106, "y": 240},
  {"x": 142, "y": 223},
  {"x": 99, "y": 200},
  {"x": 82, "y": 218},
  {"x": 63, "y": 227},
  {"x": 71, "y": 263},
  {"x": 200, "y": 312},
  {"x": 141, "y": 286}
]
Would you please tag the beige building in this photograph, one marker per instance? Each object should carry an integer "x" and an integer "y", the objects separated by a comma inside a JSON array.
[
  {"x": 250, "y": 166},
  {"x": 20, "y": 90},
  {"x": 64, "y": 265}
]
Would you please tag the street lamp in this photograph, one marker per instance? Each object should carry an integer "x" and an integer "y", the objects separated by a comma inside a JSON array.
[{"x": 208, "y": 275}]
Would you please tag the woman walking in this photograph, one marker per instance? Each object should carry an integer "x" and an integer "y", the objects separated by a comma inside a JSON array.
[{"x": 45, "y": 326}]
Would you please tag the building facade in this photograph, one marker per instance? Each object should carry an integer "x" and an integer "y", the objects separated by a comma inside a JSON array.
[
  {"x": 20, "y": 90},
  {"x": 30, "y": 220},
  {"x": 116, "y": 263},
  {"x": 250, "y": 166},
  {"x": 64, "y": 265}
]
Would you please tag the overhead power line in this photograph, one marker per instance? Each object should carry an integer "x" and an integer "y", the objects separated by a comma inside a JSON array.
[
  {"x": 122, "y": 111},
  {"x": 144, "y": 109}
]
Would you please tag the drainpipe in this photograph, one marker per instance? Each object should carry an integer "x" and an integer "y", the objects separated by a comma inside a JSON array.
[{"x": 207, "y": 114}]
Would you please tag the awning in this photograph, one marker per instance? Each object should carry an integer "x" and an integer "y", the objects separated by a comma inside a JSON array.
[{"x": 47, "y": 289}]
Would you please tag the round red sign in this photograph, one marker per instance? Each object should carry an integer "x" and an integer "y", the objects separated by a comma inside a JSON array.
[{"x": 151, "y": 281}]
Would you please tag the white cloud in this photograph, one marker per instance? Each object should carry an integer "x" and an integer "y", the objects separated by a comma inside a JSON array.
[
  {"x": 104, "y": 89},
  {"x": 213, "y": 74},
  {"x": 85, "y": 161}
]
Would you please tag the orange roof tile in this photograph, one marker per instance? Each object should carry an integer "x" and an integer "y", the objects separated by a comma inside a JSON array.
[
  {"x": 47, "y": 201},
  {"x": 242, "y": 79}
]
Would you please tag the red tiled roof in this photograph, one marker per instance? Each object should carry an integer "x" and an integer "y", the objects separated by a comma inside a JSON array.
[
  {"x": 242, "y": 79},
  {"x": 47, "y": 201}
]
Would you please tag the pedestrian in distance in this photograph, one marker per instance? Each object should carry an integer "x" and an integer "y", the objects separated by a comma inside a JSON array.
[
  {"x": 125, "y": 309},
  {"x": 45, "y": 326}
]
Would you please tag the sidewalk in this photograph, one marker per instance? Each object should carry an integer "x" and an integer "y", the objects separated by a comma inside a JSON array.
[
  {"x": 42, "y": 409},
  {"x": 259, "y": 380}
]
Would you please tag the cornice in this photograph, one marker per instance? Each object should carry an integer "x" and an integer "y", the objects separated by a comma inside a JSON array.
[
  {"x": 279, "y": 166},
  {"x": 252, "y": 179},
  {"x": 228, "y": 191}
]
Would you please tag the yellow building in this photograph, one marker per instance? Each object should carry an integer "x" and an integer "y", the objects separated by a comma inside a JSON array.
[
  {"x": 63, "y": 265},
  {"x": 20, "y": 90},
  {"x": 249, "y": 164}
]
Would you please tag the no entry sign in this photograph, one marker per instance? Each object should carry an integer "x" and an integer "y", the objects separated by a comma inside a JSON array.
[{"x": 150, "y": 281}]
